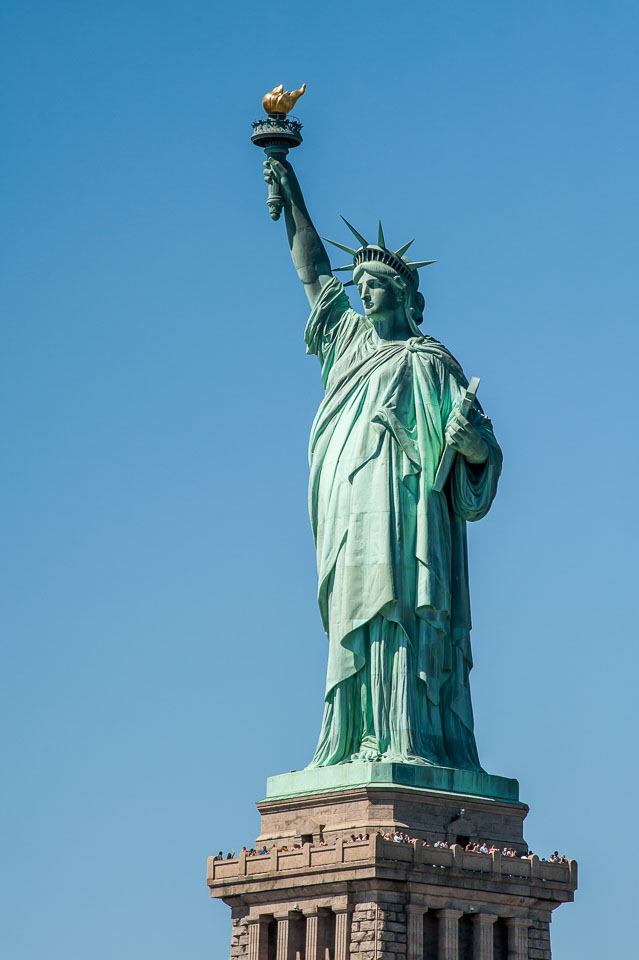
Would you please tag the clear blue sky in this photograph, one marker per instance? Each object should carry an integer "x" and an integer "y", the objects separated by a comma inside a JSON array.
[{"x": 163, "y": 652}]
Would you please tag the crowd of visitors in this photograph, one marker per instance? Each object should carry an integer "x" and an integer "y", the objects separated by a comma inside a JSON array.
[
  {"x": 249, "y": 853},
  {"x": 398, "y": 836},
  {"x": 479, "y": 847}
]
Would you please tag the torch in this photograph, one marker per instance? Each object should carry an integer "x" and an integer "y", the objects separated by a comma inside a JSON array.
[{"x": 277, "y": 134}]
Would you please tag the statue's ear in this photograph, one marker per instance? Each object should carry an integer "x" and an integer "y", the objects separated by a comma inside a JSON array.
[{"x": 420, "y": 303}]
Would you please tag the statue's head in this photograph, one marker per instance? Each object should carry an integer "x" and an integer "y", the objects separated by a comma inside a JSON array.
[
  {"x": 384, "y": 292},
  {"x": 387, "y": 280}
]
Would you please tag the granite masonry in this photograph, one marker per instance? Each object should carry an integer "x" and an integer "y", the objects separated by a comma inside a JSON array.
[{"x": 327, "y": 897}]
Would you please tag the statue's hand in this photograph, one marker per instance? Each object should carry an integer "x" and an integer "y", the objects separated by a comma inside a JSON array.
[
  {"x": 462, "y": 436},
  {"x": 283, "y": 174}
]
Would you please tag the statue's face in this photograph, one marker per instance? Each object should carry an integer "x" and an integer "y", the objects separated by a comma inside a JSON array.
[{"x": 378, "y": 296}]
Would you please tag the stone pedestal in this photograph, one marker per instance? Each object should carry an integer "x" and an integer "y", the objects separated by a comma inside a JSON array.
[
  {"x": 321, "y": 895},
  {"x": 370, "y": 806}
]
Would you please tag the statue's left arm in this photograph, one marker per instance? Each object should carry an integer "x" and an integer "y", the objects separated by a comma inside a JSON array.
[
  {"x": 475, "y": 474},
  {"x": 463, "y": 436}
]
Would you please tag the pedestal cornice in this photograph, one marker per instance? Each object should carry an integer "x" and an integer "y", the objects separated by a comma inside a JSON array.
[{"x": 344, "y": 776}]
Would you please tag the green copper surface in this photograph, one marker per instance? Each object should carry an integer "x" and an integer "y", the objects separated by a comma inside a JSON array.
[
  {"x": 391, "y": 551},
  {"x": 361, "y": 774}
]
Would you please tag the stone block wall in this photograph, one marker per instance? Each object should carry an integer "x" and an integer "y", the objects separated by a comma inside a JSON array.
[
  {"x": 378, "y": 931},
  {"x": 239, "y": 939},
  {"x": 539, "y": 941}
]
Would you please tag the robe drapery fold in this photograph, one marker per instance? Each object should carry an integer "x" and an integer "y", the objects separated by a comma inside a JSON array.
[{"x": 391, "y": 553}]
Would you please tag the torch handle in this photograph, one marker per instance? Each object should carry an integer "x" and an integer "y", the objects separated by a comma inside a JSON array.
[{"x": 275, "y": 200}]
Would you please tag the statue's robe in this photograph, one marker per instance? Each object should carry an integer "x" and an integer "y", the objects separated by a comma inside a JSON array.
[{"x": 391, "y": 552}]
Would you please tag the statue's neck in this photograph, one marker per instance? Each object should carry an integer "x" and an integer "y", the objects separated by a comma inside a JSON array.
[{"x": 394, "y": 327}]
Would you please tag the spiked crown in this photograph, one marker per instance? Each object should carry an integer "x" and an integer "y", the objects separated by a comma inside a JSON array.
[{"x": 379, "y": 253}]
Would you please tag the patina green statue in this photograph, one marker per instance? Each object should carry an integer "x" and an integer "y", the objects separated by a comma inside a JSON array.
[{"x": 391, "y": 552}]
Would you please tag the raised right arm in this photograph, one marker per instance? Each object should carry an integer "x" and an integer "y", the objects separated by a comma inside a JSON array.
[{"x": 307, "y": 250}]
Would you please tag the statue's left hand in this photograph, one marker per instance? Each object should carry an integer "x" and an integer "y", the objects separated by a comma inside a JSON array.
[{"x": 462, "y": 436}]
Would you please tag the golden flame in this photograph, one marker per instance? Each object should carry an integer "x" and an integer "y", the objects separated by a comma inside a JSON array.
[{"x": 280, "y": 100}]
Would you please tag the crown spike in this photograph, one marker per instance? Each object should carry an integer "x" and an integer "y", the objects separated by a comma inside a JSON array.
[
  {"x": 341, "y": 246},
  {"x": 419, "y": 263},
  {"x": 380, "y": 236},
  {"x": 357, "y": 235},
  {"x": 349, "y": 266},
  {"x": 402, "y": 250},
  {"x": 349, "y": 283}
]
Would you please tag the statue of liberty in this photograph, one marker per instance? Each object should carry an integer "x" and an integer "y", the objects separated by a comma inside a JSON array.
[{"x": 391, "y": 550}]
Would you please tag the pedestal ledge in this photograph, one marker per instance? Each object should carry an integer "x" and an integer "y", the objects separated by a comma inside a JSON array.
[{"x": 470, "y": 783}]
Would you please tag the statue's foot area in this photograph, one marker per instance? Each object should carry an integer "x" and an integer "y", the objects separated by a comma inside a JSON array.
[
  {"x": 370, "y": 754},
  {"x": 366, "y": 754},
  {"x": 407, "y": 758}
]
